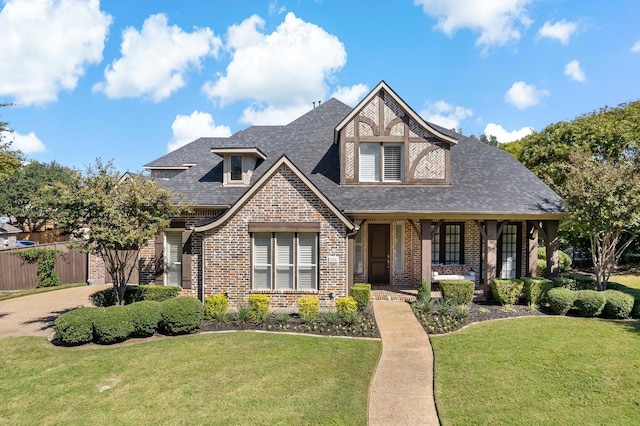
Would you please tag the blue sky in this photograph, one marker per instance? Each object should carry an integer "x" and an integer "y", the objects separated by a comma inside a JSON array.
[{"x": 129, "y": 80}]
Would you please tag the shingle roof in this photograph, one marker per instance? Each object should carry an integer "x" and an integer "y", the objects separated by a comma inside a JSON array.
[{"x": 484, "y": 179}]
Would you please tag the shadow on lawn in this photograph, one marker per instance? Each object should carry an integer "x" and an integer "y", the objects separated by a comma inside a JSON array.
[
  {"x": 48, "y": 320},
  {"x": 632, "y": 326}
]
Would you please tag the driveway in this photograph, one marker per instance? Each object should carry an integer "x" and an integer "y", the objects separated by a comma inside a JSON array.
[{"x": 33, "y": 315}]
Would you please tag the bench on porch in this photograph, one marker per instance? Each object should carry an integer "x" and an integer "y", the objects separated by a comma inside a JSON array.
[{"x": 452, "y": 272}]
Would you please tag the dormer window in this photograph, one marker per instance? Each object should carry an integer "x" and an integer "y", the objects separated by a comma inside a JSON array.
[
  {"x": 238, "y": 164},
  {"x": 236, "y": 168},
  {"x": 391, "y": 168}
]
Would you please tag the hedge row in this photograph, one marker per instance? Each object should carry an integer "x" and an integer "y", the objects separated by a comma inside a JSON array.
[
  {"x": 633, "y": 292},
  {"x": 591, "y": 303},
  {"x": 361, "y": 292},
  {"x": 534, "y": 290},
  {"x": 459, "y": 292},
  {"x": 180, "y": 315},
  {"x": 134, "y": 293}
]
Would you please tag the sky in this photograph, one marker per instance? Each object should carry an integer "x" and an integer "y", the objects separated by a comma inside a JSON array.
[{"x": 129, "y": 81}]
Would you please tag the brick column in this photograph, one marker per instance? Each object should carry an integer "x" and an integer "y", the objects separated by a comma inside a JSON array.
[
  {"x": 550, "y": 228},
  {"x": 425, "y": 239},
  {"x": 490, "y": 253}
]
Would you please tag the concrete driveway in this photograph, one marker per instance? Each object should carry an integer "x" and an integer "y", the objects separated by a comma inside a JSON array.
[{"x": 34, "y": 315}]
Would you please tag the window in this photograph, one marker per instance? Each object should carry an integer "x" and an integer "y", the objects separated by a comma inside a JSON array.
[
  {"x": 391, "y": 167},
  {"x": 285, "y": 260},
  {"x": 398, "y": 247},
  {"x": 358, "y": 263},
  {"x": 236, "y": 168},
  {"x": 447, "y": 244},
  {"x": 508, "y": 251},
  {"x": 173, "y": 258}
]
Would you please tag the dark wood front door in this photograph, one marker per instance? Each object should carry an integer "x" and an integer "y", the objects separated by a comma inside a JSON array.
[{"x": 379, "y": 254}]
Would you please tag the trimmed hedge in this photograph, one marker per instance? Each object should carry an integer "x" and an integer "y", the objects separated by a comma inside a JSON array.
[
  {"x": 424, "y": 292},
  {"x": 308, "y": 307},
  {"x": 506, "y": 291},
  {"x": 180, "y": 315},
  {"x": 361, "y": 292},
  {"x": 216, "y": 307},
  {"x": 560, "y": 300},
  {"x": 75, "y": 327},
  {"x": 458, "y": 291},
  {"x": 581, "y": 282},
  {"x": 590, "y": 303},
  {"x": 346, "y": 306},
  {"x": 145, "y": 317},
  {"x": 563, "y": 282},
  {"x": 113, "y": 324},
  {"x": 259, "y": 307},
  {"x": 535, "y": 289},
  {"x": 134, "y": 293},
  {"x": 635, "y": 311},
  {"x": 618, "y": 304}
]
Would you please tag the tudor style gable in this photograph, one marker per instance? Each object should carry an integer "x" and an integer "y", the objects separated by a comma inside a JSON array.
[{"x": 383, "y": 141}]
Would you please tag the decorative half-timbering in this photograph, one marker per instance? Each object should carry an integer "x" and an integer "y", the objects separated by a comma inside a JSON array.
[{"x": 384, "y": 141}]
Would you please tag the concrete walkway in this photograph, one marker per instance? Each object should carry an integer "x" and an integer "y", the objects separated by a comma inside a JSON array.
[
  {"x": 34, "y": 315},
  {"x": 402, "y": 388}
]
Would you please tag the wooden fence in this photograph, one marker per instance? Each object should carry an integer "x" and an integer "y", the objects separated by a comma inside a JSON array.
[{"x": 71, "y": 266}]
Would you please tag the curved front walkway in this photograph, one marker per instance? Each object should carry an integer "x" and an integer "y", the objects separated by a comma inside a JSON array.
[
  {"x": 34, "y": 315},
  {"x": 402, "y": 388}
]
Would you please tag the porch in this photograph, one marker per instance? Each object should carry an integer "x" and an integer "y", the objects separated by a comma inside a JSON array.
[{"x": 408, "y": 294}]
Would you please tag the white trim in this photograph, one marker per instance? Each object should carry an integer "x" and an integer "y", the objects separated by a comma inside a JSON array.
[
  {"x": 283, "y": 160},
  {"x": 254, "y": 151}
]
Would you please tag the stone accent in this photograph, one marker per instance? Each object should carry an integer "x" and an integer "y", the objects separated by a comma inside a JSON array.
[{"x": 97, "y": 272}]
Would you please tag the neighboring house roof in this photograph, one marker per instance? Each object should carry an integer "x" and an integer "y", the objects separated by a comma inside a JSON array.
[
  {"x": 8, "y": 229},
  {"x": 484, "y": 180}
]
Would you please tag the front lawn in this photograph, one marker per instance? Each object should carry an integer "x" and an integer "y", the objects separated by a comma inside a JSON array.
[
  {"x": 539, "y": 371},
  {"x": 220, "y": 378},
  {"x": 631, "y": 279}
]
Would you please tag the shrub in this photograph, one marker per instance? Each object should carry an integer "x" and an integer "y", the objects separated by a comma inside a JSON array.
[
  {"x": 618, "y": 304},
  {"x": 158, "y": 293},
  {"x": 134, "y": 293},
  {"x": 563, "y": 282},
  {"x": 145, "y": 316},
  {"x": 330, "y": 317},
  {"x": 216, "y": 307},
  {"x": 535, "y": 289},
  {"x": 46, "y": 260},
  {"x": 564, "y": 259},
  {"x": 635, "y": 311},
  {"x": 243, "y": 314},
  {"x": 423, "y": 306},
  {"x": 308, "y": 307},
  {"x": 459, "y": 292},
  {"x": 113, "y": 324},
  {"x": 506, "y": 292},
  {"x": 181, "y": 315},
  {"x": 259, "y": 307},
  {"x": 107, "y": 297},
  {"x": 281, "y": 317},
  {"x": 560, "y": 300},
  {"x": 460, "y": 312},
  {"x": 590, "y": 303},
  {"x": 581, "y": 282},
  {"x": 361, "y": 292},
  {"x": 541, "y": 268},
  {"x": 75, "y": 327},
  {"x": 424, "y": 292},
  {"x": 346, "y": 306}
]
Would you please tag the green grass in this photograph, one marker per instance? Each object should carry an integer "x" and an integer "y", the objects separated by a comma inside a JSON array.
[
  {"x": 539, "y": 371},
  {"x": 39, "y": 290},
  {"x": 630, "y": 280},
  {"x": 222, "y": 378}
]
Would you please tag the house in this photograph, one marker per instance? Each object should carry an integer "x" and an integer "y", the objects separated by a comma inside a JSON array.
[
  {"x": 342, "y": 195},
  {"x": 8, "y": 234}
]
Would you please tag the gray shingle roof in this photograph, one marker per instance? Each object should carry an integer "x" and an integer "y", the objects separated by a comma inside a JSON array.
[{"x": 484, "y": 179}]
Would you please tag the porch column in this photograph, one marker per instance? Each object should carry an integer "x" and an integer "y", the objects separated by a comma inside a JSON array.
[
  {"x": 532, "y": 234},
  {"x": 491, "y": 253},
  {"x": 425, "y": 239},
  {"x": 550, "y": 228},
  {"x": 351, "y": 258}
]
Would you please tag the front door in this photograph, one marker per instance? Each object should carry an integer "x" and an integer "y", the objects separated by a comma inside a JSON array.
[{"x": 379, "y": 254}]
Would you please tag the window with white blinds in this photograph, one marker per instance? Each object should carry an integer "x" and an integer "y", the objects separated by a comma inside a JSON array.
[
  {"x": 294, "y": 264},
  {"x": 369, "y": 162},
  {"x": 371, "y": 166},
  {"x": 173, "y": 258},
  {"x": 392, "y": 163}
]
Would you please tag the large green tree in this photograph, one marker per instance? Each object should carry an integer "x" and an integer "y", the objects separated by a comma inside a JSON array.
[
  {"x": 22, "y": 189},
  {"x": 113, "y": 217},
  {"x": 10, "y": 160}
]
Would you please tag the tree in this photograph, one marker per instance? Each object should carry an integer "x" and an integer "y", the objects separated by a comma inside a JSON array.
[
  {"x": 21, "y": 191},
  {"x": 489, "y": 140},
  {"x": 603, "y": 198},
  {"x": 10, "y": 161},
  {"x": 112, "y": 217}
]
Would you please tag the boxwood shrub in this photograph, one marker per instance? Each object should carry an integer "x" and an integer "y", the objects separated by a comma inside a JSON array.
[
  {"x": 618, "y": 304},
  {"x": 535, "y": 289},
  {"x": 590, "y": 303},
  {"x": 158, "y": 293},
  {"x": 635, "y": 292},
  {"x": 145, "y": 316},
  {"x": 134, "y": 293},
  {"x": 459, "y": 292},
  {"x": 113, "y": 324},
  {"x": 424, "y": 292},
  {"x": 308, "y": 307},
  {"x": 361, "y": 292},
  {"x": 560, "y": 300},
  {"x": 259, "y": 307},
  {"x": 75, "y": 327},
  {"x": 506, "y": 291},
  {"x": 346, "y": 306},
  {"x": 216, "y": 307},
  {"x": 180, "y": 315},
  {"x": 581, "y": 282},
  {"x": 564, "y": 282}
]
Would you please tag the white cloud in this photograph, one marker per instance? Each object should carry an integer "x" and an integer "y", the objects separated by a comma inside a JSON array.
[
  {"x": 187, "y": 128},
  {"x": 28, "y": 144},
  {"x": 497, "y": 21},
  {"x": 156, "y": 59},
  {"x": 275, "y": 9},
  {"x": 636, "y": 47},
  {"x": 445, "y": 114},
  {"x": 351, "y": 95},
  {"x": 282, "y": 73},
  {"x": 561, "y": 30},
  {"x": 574, "y": 72},
  {"x": 505, "y": 136},
  {"x": 523, "y": 95},
  {"x": 47, "y": 45}
]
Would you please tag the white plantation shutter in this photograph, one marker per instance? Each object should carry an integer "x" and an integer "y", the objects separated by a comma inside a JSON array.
[
  {"x": 369, "y": 162},
  {"x": 284, "y": 260},
  {"x": 392, "y": 162},
  {"x": 307, "y": 261},
  {"x": 358, "y": 264},
  {"x": 262, "y": 260},
  {"x": 173, "y": 267}
]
